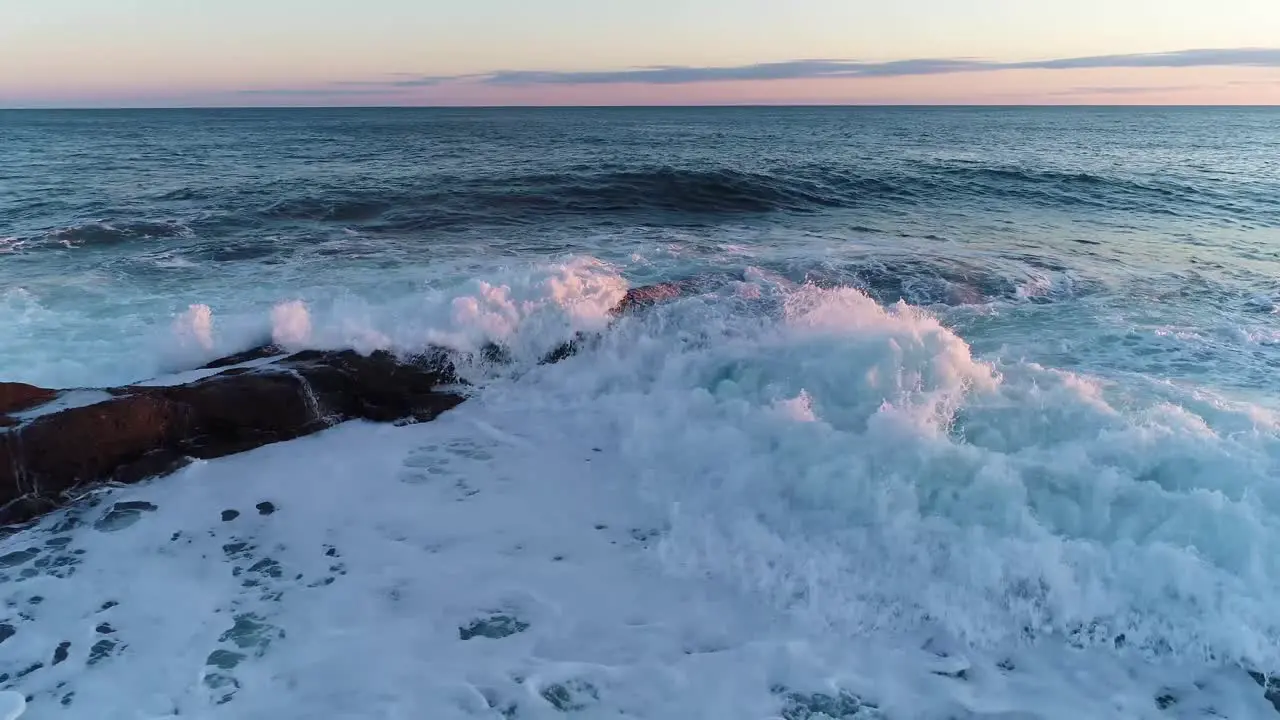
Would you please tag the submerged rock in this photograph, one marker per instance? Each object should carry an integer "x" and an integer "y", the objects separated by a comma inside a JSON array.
[
  {"x": 649, "y": 295},
  {"x": 260, "y": 352},
  {"x": 146, "y": 431}
]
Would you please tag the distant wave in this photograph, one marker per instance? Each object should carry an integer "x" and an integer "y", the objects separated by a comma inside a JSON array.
[
  {"x": 110, "y": 233},
  {"x": 664, "y": 195},
  {"x": 440, "y": 202},
  {"x": 664, "y": 190},
  {"x": 337, "y": 210}
]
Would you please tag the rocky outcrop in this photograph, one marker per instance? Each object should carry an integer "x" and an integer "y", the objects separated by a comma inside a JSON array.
[
  {"x": 144, "y": 431},
  {"x": 18, "y": 397},
  {"x": 49, "y": 452},
  {"x": 649, "y": 295}
]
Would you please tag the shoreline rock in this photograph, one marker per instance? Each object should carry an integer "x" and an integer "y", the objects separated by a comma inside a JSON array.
[
  {"x": 137, "y": 432},
  {"x": 149, "y": 431},
  {"x": 20, "y": 397}
]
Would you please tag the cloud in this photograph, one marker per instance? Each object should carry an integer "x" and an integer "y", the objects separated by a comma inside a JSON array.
[
  {"x": 1127, "y": 90},
  {"x": 788, "y": 70},
  {"x": 403, "y": 80},
  {"x": 1237, "y": 57},
  {"x": 800, "y": 69},
  {"x": 316, "y": 92},
  {"x": 810, "y": 69}
]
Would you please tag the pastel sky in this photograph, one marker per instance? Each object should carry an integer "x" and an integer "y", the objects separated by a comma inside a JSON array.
[{"x": 603, "y": 52}]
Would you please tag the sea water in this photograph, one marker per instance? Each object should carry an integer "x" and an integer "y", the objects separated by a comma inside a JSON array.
[{"x": 969, "y": 413}]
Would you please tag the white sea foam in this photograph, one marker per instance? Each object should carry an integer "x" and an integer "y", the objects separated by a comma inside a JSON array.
[
  {"x": 195, "y": 328},
  {"x": 290, "y": 324},
  {"x": 733, "y": 502},
  {"x": 12, "y": 705}
]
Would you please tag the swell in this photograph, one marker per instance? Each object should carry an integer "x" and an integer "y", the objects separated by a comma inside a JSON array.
[
  {"x": 662, "y": 195},
  {"x": 673, "y": 193}
]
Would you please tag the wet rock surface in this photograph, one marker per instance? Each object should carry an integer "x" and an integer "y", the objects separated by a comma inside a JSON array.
[
  {"x": 19, "y": 397},
  {"x": 146, "y": 431}
]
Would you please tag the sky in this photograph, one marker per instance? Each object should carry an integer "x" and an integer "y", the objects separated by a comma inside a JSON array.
[{"x": 146, "y": 53}]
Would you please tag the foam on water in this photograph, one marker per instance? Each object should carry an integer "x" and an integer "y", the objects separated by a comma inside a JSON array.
[
  {"x": 290, "y": 324},
  {"x": 12, "y": 705},
  {"x": 769, "y": 499}
]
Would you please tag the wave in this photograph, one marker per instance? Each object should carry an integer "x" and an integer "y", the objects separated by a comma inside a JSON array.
[
  {"x": 854, "y": 463},
  {"x": 948, "y": 281},
  {"x": 456, "y": 200},
  {"x": 659, "y": 196},
  {"x": 671, "y": 192},
  {"x": 342, "y": 211},
  {"x": 851, "y": 465},
  {"x": 106, "y": 233}
]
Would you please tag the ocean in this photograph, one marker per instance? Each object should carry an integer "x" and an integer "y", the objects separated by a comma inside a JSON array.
[{"x": 970, "y": 413}]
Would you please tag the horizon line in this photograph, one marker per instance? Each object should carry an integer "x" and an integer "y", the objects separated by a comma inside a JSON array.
[{"x": 617, "y": 106}]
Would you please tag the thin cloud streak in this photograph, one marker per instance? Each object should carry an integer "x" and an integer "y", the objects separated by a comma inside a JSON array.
[
  {"x": 405, "y": 80},
  {"x": 820, "y": 69},
  {"x": 403, "y": 86},
  {"x": 318, "y": 92},
  {"x": 1133, "y": 90}
]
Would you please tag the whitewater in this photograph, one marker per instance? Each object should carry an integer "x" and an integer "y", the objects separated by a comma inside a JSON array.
[{"x": 938, "y": 449}]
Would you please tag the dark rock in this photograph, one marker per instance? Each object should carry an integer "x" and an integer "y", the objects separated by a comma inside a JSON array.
[
  {"x": 648, "y": 295},
  {"x": 61, "y": 652},
  {"x": 261, "y": 352},
  {"x": 145, "y": 431},
  {"x": 142, "y": 432},
  {"x": 17, "y": 397},
  {"x": 6, "y": 631},
  {"x": 266, "y": 508},
  {"x": 564, "y": 351},
  {"x": 1270, "y": 687},
  {"x": 229, "y": 515}
]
